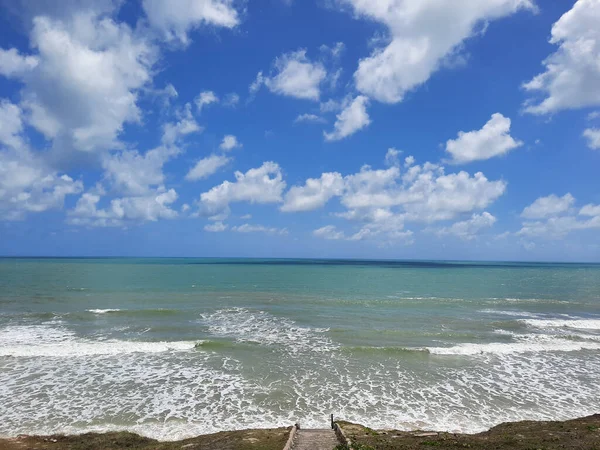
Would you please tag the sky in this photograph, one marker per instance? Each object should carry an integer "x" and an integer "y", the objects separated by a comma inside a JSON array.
[{"x": 392, "y": 129}]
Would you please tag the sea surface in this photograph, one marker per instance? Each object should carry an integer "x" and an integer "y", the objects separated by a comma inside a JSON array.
[{"x": 172, "y": 348}]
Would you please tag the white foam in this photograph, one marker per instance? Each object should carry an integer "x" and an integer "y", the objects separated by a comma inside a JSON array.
[
  {"x": 583, "y": 324},
  {"x": 524, "y": 344},
  {"x": 263, "y": 328},
  {"x": 53, "y": 341},
  {"x": 103, "y": 311}
]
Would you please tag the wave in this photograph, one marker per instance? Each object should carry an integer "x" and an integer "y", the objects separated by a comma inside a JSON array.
[
  {"x": 524, "y": 344},
  {"x": 260, "y": 327},
  {"x": 103, "y": 311},
  {"x": 46, "y": 341},
  {"x": 583, "y": 324}
]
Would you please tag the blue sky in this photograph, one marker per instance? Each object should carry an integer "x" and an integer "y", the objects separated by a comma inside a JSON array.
[{"x": 319, "y": 128}]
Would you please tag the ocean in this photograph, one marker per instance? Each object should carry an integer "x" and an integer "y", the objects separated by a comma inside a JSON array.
[{"x": 172, "y": 348}]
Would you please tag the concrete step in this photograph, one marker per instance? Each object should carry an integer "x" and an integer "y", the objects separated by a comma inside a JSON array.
[{"x": 324, "y": 439}]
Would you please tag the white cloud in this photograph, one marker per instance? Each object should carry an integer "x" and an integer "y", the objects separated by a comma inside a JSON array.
[
  {"x": 205, "y": 98},
  {"x": 151, "y": 206},
  {"x": 314, "y": 194},
  {"x": 558, "y": 218},
  {"x": 248, "y": 228},
  {"x": 330, "y": 105},
  {"x": 206, "y": 167},
  {"x": 383, "y": 200},
  {"x": 469, "y": 229},
  {"x": 263, "y": 184},
  {"x": 231, "y": 99},
  {"x": 27, "y": 183},
  {"x": 425, "y": 192},
  {"x": 131, "y": 173},
  {"x": 423, "y": 35},
  {"x": 490, "y": 141},
  {"x": 353, "y": 118},
  {"x": 173, "y": 132},
  {"x": 392, "y": 157},
  {"x": 11, "y": 124},
  {"x": 593, "y": 137},
  {"x": 551, "y": 205},
  {"x": 309, "y": 118},
  {"x": 590, "y": 210},
  {"x": 176, "y": 19},
  {"x": 12, "y": 63},
  {"x": 229, "y": 143},
  {"x": 329, "y": 232},
  {"x": 294, "y": 75},
  {"x": 593, "y": 115},
  {"x": 217, "y": 227},
  {"x": 572, "y": 76},
  {"x": 85, "y": 85}
]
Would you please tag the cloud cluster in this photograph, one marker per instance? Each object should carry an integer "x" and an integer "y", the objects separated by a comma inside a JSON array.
[
  {"x": 176, "y": 19},
  {"x": 27, "y": 183},
  {"x": 351, "y": 119},
  {"x": 572, "y": 76},
  {"x": 261, "y": 185},
  {"x": 490, "y": 141},
  {"x": 381, "y": 201},
  {"x": 293, "y": 75},
  {"x": 80, "y": 87},
  {"x": 557, "y": 217},
  {"x": 423, "y": 36}
]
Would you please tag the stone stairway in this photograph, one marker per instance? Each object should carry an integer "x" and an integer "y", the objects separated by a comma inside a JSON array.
[{"x": 324, "y": 439}]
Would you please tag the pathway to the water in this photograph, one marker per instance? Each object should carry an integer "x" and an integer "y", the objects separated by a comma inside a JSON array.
[{"x": 324, "y": 439}]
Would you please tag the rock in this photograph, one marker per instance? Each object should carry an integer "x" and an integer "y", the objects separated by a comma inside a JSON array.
[{"x": 425, "y": 434}]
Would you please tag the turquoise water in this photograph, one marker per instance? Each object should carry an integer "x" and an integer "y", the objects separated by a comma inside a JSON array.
[{"x": 172, "y": 348}]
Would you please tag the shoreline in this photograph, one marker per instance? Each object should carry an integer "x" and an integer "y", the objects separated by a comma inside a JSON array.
[{"x": 582, "y": 433}]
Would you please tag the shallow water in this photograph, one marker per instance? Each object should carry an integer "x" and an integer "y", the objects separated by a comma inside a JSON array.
[{"x": 172, "y": 348}]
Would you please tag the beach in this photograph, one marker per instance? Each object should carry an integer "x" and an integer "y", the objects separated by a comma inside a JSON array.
[{"x": 175, "y": 348}]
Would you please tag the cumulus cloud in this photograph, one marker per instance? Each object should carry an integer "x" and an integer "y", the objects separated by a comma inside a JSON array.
[
  {"x": 392, "y": 157},
  {"x": 572, "y": 74},
  {"x": 132, "y": 173},
  {"x": 82, "y": 85},
  {"x": 469, "y": 229},
  {"x": 551, "y": 205},
  {"x": 351, "y": 119},
  {"x": 293, "y": 75},
  {"x": 557, "y": 217},
  {"x": 329, "y": 232},
  {"x": 13, "y": 64},
  {"x": 27, "y": 183},
  {"x": 309, "y": 118},
  {"x": 174, "y": 132},
  {"x": 217, "y": 227},
  {"x": 229, "y": 143},
  {"x": 248, "y": 228},
  {"x": 11, "y": 124},
  {"x": 29, "y": 186},
  {"x": 382, "y": 201},
  {"x": 206, "y": 167},
  {"x": 151, "y": 206},
  {"x": 423, "y": 36},
  {"x": 314, "y": 194},
  {"x": 263, "y": 184},
  {"x": 593, "y": 137},
  {"x": 492, "y": 140},
  {"x": 205, "y": 98},
  {"x": 177, "y": 19}
]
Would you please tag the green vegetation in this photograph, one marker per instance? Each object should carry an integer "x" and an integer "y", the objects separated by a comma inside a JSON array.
[
  {"x": 268, "y": 439},
  {"x": 581, "y": 434}
]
